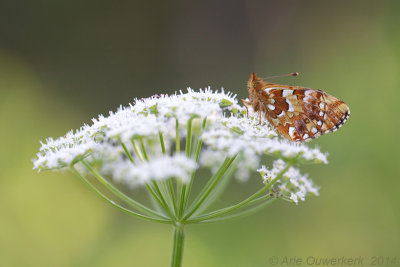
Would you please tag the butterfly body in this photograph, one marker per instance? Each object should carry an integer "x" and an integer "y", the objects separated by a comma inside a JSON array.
[{"x": 297, "y": 113}]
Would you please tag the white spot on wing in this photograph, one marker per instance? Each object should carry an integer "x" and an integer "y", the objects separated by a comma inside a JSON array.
[
  {"x": 281, "y": 114},
  {"x": 307, "y": 96},
  {"x": 314, "y": 130},
  {"x": 286, "y": 92},
  {"x": 321, "y": 114},
  {"x": 305, "y": 136},
  {"x": 291, "y": 108},
  {"x": 319, "y": 123},
  {"x": 271, "y": 107},
  {"x": 321, "y": 105}
]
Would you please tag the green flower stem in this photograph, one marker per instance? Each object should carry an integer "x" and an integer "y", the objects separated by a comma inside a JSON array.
[
  {"x": 150, "y": 190},
  {"x": 137, "y": 150},
  {"x": 163, "y": 186},
  {"x": 166, "y": 221},
  {"x": 210, "y": 186},
  {"x": 164, "y": 202},
  {"x": 172, "y": 193},
  {"x": 177, "y": 140},
  {"x": 170, "y": 182},
  {"x": 162, "y": 142},
  {"x": 161, "y": 195},
  {"x": 127, "y": 152},
  {"x": 179, "y": 183},
  {"x": 188, "y": 149},
  {"x": 161, "y": 202},
  {"x": 245, "y": 202},
  {"x": 177, "y": 245},
  {"x": 170, "y": 197},
  {"x": 249, "y": 211},
  {"x": 143, "y": 148},
  {"x": 206, "y": 187},
  {"x": 121, "y": 195},
  {"x": 131, "y": 159},
  {"x": 218, "y": 189},
  {"x": 197, "y": 155}
]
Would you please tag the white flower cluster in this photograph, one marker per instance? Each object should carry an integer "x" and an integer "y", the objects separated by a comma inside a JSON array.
[
  {"x": 188, "y": 105},
  {"x": 176, "y": 166},
  {"x": 65, "y": 150},
  {"x": 112, "y": 139},
  {"x": 291, "y": 185},
  {"x": 126, "y": 124}
]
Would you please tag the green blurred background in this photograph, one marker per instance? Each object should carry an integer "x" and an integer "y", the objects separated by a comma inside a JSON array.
[{"x": 64, "y": 62}]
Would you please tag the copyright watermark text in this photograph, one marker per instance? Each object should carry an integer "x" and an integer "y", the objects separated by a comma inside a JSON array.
[{"x": 334, "y": 261}]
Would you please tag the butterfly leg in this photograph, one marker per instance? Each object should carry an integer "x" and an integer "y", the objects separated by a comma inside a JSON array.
[{"x": 260, "y": 105}]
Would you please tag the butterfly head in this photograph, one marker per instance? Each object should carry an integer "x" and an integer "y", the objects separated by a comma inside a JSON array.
[{"x": 254, "y": 82}]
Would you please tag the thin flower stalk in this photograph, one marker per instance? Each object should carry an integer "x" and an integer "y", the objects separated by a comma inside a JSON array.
[
  {"x": 209, "y": 187},
  {"x": 243, "y": 203},
  {"x": 264, "y": 201},
  {"x": 197, "y": 155},
  {"x": 118, "y": 193},
  {"x": 74, "y": 171}
]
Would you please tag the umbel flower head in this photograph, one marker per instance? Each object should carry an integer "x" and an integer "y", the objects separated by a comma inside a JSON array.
[{"x": 158, "y": 143}]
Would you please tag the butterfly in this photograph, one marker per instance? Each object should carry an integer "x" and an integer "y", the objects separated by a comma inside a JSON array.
[{"x": 297, "y": 113}]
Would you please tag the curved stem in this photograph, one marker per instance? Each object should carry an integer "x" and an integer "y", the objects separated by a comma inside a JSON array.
[
  {"x": 127, "y": 152},
  {"x": 166, "y": 221},
  {"x": 245, "y": 202},
  {"x": 160, "y": 201},
  {"x": 163, "y": 201},
  {"x": 244, "y": 213},
  {"x": 137, "y": 150},
  {"x": 121, "y": 195},
  {"x": 217, "y": 191}
]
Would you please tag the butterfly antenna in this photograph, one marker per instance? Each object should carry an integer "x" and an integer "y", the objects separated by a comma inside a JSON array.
[{"x": 284, "y": 75}]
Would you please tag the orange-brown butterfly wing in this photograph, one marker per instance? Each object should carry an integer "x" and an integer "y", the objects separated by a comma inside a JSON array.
[{"x": 302, "y": 114}]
